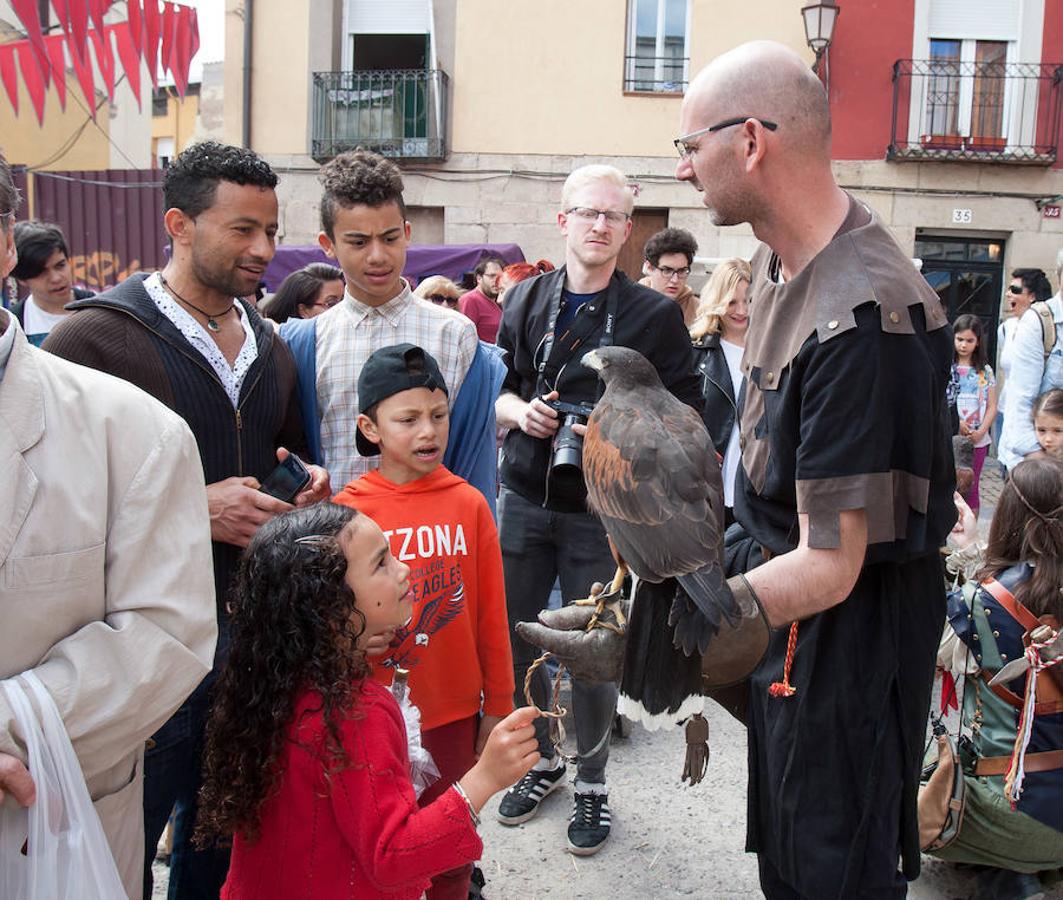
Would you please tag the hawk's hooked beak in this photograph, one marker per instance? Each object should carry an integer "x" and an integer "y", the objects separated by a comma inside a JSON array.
[{"x": 592, "y": 361}]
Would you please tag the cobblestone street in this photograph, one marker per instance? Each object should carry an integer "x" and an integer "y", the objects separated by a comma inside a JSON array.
[{"x": 669, "y": 840}]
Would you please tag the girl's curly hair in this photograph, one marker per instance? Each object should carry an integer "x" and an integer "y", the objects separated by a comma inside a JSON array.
[
  {"x": 292, "y": 628},
  {"x": 1028, "y": 527}
]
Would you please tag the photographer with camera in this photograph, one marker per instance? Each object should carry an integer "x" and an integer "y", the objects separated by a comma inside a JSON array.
[{"x": 546, "y": 532}]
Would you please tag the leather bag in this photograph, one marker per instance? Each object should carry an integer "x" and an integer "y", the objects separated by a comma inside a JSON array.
[{"x": 941, "y": 799}]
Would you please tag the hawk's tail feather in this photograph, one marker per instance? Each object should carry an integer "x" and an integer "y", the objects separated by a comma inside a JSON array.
[
  {"x": 660, "y": 685},
  {"x": 705, "y": 600}
]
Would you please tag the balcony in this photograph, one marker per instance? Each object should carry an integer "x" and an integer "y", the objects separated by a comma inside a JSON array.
[
  {"x": 655, "y": 74},
  {"x": 987, "y": 112},
  {"x": 400, "y": 113}
]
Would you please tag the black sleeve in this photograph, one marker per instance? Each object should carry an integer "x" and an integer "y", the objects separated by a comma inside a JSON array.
[
  {"x": 673, "y": 357},
  {"x": 866, "y": 435},
  {"x": 512, "y": 340}
]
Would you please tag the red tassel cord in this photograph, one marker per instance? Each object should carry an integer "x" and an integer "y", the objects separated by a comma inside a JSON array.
[{"x": 784, "y": 688}]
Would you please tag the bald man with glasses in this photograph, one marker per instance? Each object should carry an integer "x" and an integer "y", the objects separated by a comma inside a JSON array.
[{"x": 845, "y": 481}]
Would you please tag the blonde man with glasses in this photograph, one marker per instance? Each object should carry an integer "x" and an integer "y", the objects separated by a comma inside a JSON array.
[{"x": 546, "y": 532}]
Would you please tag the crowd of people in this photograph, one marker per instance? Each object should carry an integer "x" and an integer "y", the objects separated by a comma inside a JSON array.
[{"x": 269, "y": 565}]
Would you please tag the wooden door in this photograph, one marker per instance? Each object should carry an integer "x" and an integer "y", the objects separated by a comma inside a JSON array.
[{"x": 645, "y": 224}]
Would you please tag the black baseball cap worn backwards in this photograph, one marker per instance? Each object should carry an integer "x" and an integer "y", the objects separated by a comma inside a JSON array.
[{"x": 390, "y": 371}]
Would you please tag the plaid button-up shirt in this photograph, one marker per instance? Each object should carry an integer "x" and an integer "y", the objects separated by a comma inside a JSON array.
[{"x": 346, "y": 337}]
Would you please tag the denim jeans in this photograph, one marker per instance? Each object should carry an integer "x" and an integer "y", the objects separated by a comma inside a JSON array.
[
  {"x": 172, "y": 777},
  {"x": 539, "y": 546}
]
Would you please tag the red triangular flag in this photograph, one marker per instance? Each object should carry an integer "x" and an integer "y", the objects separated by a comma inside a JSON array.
[
  {"x": 56, "y": 44},
  {"x": 31, "y": 75},
  {"x": 152, "y": 27},
  {"x": 169, "y": 20},
  {"x": 181, "y": 59},
  {"x": 83, "y": 71},
  {"x": 96, "y": 10},
  {"x": 193, "y": 26},
  {"x": 78, "y": 35},
  {"x": 127, "y": 53},
  {"x": 9, "y": 73},
  {"x": 136, "y": 24},
  {"x": 27, "y": 13},
  {"x": 101, "y": 41}
]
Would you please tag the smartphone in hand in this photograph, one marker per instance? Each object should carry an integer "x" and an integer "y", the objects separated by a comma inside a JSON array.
[{"x": 287, "y": 480}]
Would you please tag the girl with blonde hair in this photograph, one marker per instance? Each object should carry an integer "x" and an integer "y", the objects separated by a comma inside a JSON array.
[{"x": 719, "y": 335}]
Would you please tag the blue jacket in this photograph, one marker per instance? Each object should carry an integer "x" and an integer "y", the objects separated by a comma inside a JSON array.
[{"x": 471, "y": 450}]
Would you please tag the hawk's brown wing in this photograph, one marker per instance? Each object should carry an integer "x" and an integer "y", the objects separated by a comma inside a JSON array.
[{"x": 653, "y": 478}]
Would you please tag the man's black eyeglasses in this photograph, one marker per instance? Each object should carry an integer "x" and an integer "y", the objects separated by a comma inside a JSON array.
[{"x": 682, "y": 144}]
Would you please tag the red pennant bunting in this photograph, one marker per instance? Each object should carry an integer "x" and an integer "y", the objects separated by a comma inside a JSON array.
[
  {"x": 127, "y": 53},
  {"x": 136, "y": 26},
  {"x": 26, "y": 11},
  {"x": 56, "y": 45},
  {"x": 83, "y": 71},
  {"x": 152, "y": 29},
  {"x": 78, "y": 34},
  {"x": 31, "y": 75},
  {"x": 96, "y": 10},
  {"x": 9, "y": 74},
  {"x": 101, "y": 41},
  {"x": 169, "y": 20},
  {"x": 194, "y": 28},
  {"x": 181, "y": 59}
]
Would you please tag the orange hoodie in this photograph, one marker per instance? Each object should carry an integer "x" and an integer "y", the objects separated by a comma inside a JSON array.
[{"x": 457, "y": 644}]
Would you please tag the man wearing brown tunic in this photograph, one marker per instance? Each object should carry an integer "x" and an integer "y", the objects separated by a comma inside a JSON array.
[{"x": 846, "y": 481}]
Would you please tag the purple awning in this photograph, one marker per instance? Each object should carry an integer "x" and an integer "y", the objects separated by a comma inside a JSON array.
[{"x": 452, "y": 260}]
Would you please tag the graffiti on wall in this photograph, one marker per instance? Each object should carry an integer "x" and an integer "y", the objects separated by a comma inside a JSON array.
[{"x": 101, "y": 269}]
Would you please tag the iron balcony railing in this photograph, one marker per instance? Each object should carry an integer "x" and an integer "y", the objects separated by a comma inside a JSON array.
[
  {"x": 976, "y": 111},
  {"x": 395, "y": 112},
  {"x": 655, "y": 74}
]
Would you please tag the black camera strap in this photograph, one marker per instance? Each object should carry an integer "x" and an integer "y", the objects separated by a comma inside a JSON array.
[{"x": 556, "y": 354}]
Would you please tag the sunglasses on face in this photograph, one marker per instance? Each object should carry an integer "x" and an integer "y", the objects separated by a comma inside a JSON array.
[
  {"x": 1016, "y": 289},
  {"x": 441, "y": 298}
]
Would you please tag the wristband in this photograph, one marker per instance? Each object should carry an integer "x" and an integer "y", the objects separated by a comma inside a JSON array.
[{"x": 472, "y": 810}]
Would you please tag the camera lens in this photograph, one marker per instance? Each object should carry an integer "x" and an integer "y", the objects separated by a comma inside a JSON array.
[{"x": 568, "y": 447}]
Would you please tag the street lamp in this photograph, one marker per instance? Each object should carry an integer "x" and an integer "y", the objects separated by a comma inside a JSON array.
[{"x": 819, "y": 25}]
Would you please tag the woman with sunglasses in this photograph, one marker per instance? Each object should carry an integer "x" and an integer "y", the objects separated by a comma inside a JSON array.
[
  {"x": 440, "y": 290},
  {"x": 1027, "y": 286}
]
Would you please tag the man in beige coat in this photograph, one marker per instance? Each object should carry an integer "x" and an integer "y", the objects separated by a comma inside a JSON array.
[{"x": 105, "y": 566}]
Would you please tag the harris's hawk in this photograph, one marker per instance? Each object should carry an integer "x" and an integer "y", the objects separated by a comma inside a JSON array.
[{"x": 653, "y": 478}]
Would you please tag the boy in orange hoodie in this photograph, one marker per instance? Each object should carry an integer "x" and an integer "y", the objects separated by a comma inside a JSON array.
[{"x": 456, "y": 646}]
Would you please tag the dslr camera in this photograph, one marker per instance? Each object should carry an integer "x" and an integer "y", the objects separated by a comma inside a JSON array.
[{"x": 567, "y": 457}]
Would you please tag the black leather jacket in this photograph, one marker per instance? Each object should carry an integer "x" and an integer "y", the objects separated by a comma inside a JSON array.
[
  {"x": 646, "y": 321},
  {"x": 721, "y": 408}
]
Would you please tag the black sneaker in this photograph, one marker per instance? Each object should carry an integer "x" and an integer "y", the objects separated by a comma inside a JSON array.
[
  {"x": 588, "y": 826},
  {"x": 521, "y": 801}
]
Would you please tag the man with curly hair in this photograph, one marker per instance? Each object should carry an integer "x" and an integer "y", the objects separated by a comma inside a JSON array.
[
  {"x": 668, "y": 256},
  {"x": 364, "y": 228},
  {"x": 185, "y": 337}
]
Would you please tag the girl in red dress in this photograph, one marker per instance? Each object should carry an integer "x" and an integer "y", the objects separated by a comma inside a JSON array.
[{"x": 306, "y": 759}]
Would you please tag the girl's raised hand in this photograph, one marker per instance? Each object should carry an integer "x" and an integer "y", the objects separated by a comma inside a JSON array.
[
  {"x": 510, "y": 751},
  {"x": 965, "y": 531}
]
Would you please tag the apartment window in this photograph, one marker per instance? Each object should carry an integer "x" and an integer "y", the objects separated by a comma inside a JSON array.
[
  {"x": 657, "y": 59},
  {"x": 965, "y": 93}
]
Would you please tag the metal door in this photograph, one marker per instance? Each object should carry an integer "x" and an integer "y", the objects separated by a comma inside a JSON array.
[{"x": 968, "y": 275}]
